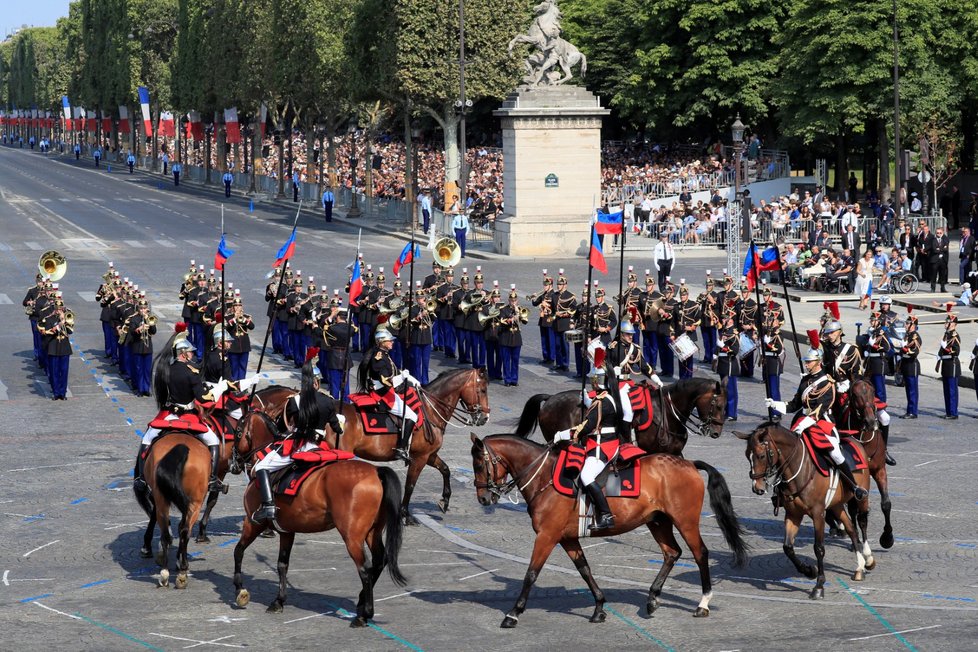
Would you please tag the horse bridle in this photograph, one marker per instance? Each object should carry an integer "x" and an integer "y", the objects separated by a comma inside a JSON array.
[
  {"x": 489, "y": 463},
  {"x": 774, "y": 471},
  {"x": 470, "y": 413},
  {"x": 237, "y": 463},
  {"x": 704, "y": 426}
]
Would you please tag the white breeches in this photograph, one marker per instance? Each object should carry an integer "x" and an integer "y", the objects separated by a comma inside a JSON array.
[
  {"x": 275, "y": 461},
  {"x": 833, "y": 437},
  {"x": 236, "y": 413},
  {"x": 401, "y": 409},
  {"x": 592, "y": 469},
  {"x": 883, "y": 417},
  {"x": 208, "y": 438},
  {"x": 626, "y": 404}
]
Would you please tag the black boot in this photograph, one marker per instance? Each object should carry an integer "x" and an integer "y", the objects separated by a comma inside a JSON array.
[
  {"x": 403, "y": 449},
  {"x": 267, "y": 510},
  {"x": 846, "y": 474},
  {"x": 215, "y": 483},
  {"x": 138, "y": 482},
  {"x": 603, "y": 518},
  {"x": 885, "y": 432}
]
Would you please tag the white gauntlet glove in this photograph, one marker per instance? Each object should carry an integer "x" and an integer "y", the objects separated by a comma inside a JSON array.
[
  {"x": 342, "y": 420},
  {"x": 218, "y": 389},
  {"x": 247, "y": 383},
  {"x": 563, "y": 435},
  {"x": 656, "y": 381},
  {"x": 778, "y": 406},
  {"x": 842, "y": 387}
]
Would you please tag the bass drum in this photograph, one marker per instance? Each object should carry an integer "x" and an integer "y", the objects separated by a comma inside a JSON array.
[{"x": 747, "y": 346}]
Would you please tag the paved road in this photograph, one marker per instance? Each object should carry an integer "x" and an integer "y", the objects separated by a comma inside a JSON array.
[{"x": 71, "y": 577}]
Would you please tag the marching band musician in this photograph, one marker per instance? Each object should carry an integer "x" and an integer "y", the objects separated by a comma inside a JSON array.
[
  {"x": 293, "y": 303},
  {"x": 123, "y": 309},
  {"x": 321, "y": 335},
  {"x": 603, "y": 318},
  {"x": 43, "y": 307},
  {"x": 55, "y": 327},
  {"x": 396, "y": 349},
  {"x": 747, "y": 322},
  {"x": 728, "y": 347},
  {"x": 631, "y": 300},
  {"x": 307, "y": 307},
  {"x": 282, "y": 313},
  {"x": 842, "y": 360},
  {"x": 29, "y": 302},
  {"x": 445, "y": 312},
  {"x": 473, "y": 329},
  {"x": 143, "y": 329},
  {"x": 511, "y": 337},
  {"x": 371, "y": 303},
  {"x": 581, "y": 363},
  {"x": 650, "y": 320},
  {"x": 687, "y": 319},
  {"x": 378, "y": 372},
  {"x": 664, "y": 329},
  {"x": 338, "y": 363},
  {"x": 210, "y": 307},
  {"x": 238, "y": 323},
  {"x": 909, "y": 350},
  {"x": 565, "y": 305},
  {"x": 813, "y": 406},
  {"x": 545, "y": 301},
  {"x": 458, "y": 318},
  {"x": 104, "y": 297},
  {"x": 270, "y": 298},
  {"x": 876, "y": 351},
  {"x": 430, "y": 287},
  {"x": 194, "y": 320},
  {"x": 772, "y": 352},
  {"x": 187, "y": 285},
  {"x": 950, "y": 366},
  {"x": 709, "y": 319},
  {"x": 421, "y": 336},
  {"x": 490, "y": 332}
]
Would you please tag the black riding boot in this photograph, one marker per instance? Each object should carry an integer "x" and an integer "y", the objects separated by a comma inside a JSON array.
[
  {"x": 403, "y": 448},
  {"x": 603, "y": 518},
  {"x": 846, "y": 474},
  {"x": 215, "y": 483},
  {"x": 885, "y": 432},
  {"x": 138, "y": 481},
  {"x": 267, "y": 510}
]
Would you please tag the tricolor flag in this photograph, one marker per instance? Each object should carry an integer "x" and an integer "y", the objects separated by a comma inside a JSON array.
[
  {"x": 262, "y": 118},
  {"x": 106, "y": 123},
  {"x": 66, "y": 107},
  {"x": 123, "y": 119},
  {"x": 609, "y": 223},
  {"x": 79, "y": 114},
  {"x": 144, "y": 105},
  {"x": 756, "y": 262},
  {"x": 407, "y": 256},
  {"x": 222, "y": 255},
  {"x": 91, "y": 122},
  {"x": 231, "y": 125},
  {"x": 356, "y": 283},
  {"x": 596, "y": 257},
  {"x": 196, "y": 126},
  {"x": 286, "y": 251},
  {"x": 167, "y": 125}
]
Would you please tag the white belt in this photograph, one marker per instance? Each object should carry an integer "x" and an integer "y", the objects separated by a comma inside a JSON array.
[
  {"x": 183, "y": 406},
  {"x": 947, "y": 357},
  {"x": 771, "y": 354},
  {"x": 874, "y": 355},
  {"x": 608, "y": 431},
  {"x": 378, "y": 384}
]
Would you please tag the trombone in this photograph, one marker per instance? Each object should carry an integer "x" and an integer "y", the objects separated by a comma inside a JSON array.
[{"x": 477, "y": 297}]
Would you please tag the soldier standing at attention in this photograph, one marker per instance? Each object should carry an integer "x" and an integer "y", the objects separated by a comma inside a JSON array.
[
  {"x": 728, "y": 346},
  {"x": 564, "y": 306},
  {"x": 510, "y": 337},
  {"x": 687, "y": 319},
  {"x": 909, "y": 350},
  {"x": 950, "y": 349},
  {"x": 545, "y": 301},
  {"x": 650, "y": 320},
  {"x": 747, "y": 322},
  {"x": 228, "y": 179},
  {"x": 772, "y": 355},
  {"x": 664, "y": 330}
]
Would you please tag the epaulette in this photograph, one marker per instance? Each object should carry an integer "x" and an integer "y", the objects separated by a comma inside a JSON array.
[
  {"x": 379, "y": 355},
  {"x": 193, "y": 368}
]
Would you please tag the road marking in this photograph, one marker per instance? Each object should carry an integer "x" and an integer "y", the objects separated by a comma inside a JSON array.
[
  {"x": 135, "y": 244},
  {"x": 46, "y": 199},
  {"x": 926, "y": 463},
  {"x": 398, "y": 595},
  {"x": 33, "y": 246},
  {"x": 55, "y": 466},
  {"x": 257, "y": 243},
  {"x": 169, "y": 244},
  {"x": 6, "y": 580},
  {"x": 5, "y": 300},
  {"x": 196, "y": 642},
  {"x": 87, "y": 296},
  {"x": 902, "y": 631},
  {"x": 4, "y": 247},
  {"x": 468, "y": 577},
  {"x": 296, "y": 620},
  {"x": 30, "y": 552},
  {"x": 55, "y": 610},
  {"x": 195, "y": 243}
]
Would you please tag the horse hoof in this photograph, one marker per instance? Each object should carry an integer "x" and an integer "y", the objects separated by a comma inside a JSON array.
[
  {"x": 274, "y": 608},
  {"x": 651, "y": 606},
  {"x": 164, "y": 580},
  {"x": 359, "y": 621},
  {"x": 818, "y": 593},
  {"x": 145, "y": 553},
  {"x": 267, "y": 534},
  {"x": 181, "y": 581},
  {"x": 871, "y": 563},
  {"x": 886, "y": 540},
  {"x": 408, "y": 519},
  {"x": 858, "y": 576},
  {"x": 701, "y": 612},
  {"x": 598, "y": 617},
  {"x": 443, "y": 506},
  {"x": 202, "y": 539},
  {"x": 243, "y": 598},
  {"x": 509, "y": 622}
]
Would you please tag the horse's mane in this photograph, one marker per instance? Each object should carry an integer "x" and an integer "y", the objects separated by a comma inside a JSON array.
[
  {"x": 441, "y": 378},
  {"x": 514, "y": 438},
  {"x": 695, "y": 383}
]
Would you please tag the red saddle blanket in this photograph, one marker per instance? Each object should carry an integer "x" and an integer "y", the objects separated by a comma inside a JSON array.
[
  {"x": 641, "y": 399},
  {"x": 622, "y": 474},
  {"x": 817, "y": 444},
  {"x": 290, "y": 479},
  {"x": 189, "y": 421},
  {"x": 374, "y": 411}
]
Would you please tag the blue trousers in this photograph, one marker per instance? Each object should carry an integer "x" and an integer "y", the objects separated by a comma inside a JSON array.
[
  {"x": 436, "y": 336},
  {"x": 420, "y": 357},
  {"x": 426, "y": 218},
  {"x": 397, "y": 354},
  {"x": 198, "y": 330},
  {"x": 283, "y": 333},
  {"x": 328, "y": 208},
  {"x": 58, "y": 366},
  {"x": 336, "y": 385},
  {"x": 732, "y": 396},
  {"x": 709, "y": 342},
  {"x": 131, "y": 364},
  {"x": 747, "y": 366},
  {"x": 494, "y": 361},
  {"x": 560, "y": 350},
  {"x": 950, "y": 396},
  {"x": 686, "y": 367},
  {"x": 774, "y": 389},
  {"x": 239, "y": 365},
  {"x": 477, "y": 348},
  {"x": 913, "y": 394},
  {"x": 879, "y": 384},
  {"x": 298, "y": 345},
  {"x": 460, "y": 239},
  {"x": 462, "y": 342},
  {"x": 666, "y": 353},
  {"x": 366, "y": 334},
  {"x": 547, "y": 343},
  {"x": 581, "y": 364},
  {"x": 448, "y": 338},
  {"x": 511, "y": 364},
  {"x": 110, "y": 338},
  {"x": 36, "y": 337},
  {"x": 142, "y": 372},
  {"x": 276, "y": 336},
  {"x": 650, "y": 348},
  {"x": 124, "y": 361}
]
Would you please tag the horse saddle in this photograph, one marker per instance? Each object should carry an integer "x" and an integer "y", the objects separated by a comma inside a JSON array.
[
  {"x": 640, "y": 397},
  {"x": 187, "y": 421},
  {"x": 375, "y": 415},
  {"x": 620, "y": 478},
  {"x": 289, "y": 480},
  {"x": 818, "y": 446}
]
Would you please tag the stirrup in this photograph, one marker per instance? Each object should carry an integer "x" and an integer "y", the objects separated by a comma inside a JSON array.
[
  {"x": 402, "y": 454},
  {"x": 604, "y": 522},
  {"x": 266, "y": 512},
  {"x": 215, "y": 484},
  {"x": 889, "y": 459}
]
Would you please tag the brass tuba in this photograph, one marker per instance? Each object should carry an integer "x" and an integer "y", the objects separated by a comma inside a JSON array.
[
  {"x": 394, "y": 305},
  {"x": 150, "y": 320},
  {"x": 52, "y": 265},
  {"x": 492, "y": 314},
  {"x": 477, "y": 298},
  {"x": 431, "y": 305},
  {"x": 447, "y": 252}
]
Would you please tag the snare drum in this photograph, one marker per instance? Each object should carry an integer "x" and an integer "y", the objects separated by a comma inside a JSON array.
[
  {"x": 747, "y": 346},
  {"x": 683, "y": 347},
  {"x": 574, "y": 336}
]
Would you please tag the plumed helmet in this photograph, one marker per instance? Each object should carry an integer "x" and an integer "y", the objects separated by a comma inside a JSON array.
[
  {"x": 181, "y": 344},
  {"x": 627, "y": 327},
  {"x": 383, "y": 335},
  {"x": 831, "y": 327},
  {"x": 597, "y": 376},
  {"x": 812, "y": 355}
]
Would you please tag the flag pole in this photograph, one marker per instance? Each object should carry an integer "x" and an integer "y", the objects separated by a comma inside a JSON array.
[
  {"x": 791, "y": 316},
  {"x": 587, "y": 323},
  {"x": 758, "y": 313},
  {"x": 349, "y": 332},
  {"x": 407, "y": 336},
  {"x": 223, "y": 302},
  {"x": 621, "y": 277}
]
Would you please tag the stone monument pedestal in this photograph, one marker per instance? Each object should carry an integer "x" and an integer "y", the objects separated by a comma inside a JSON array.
[{"x": 551, "y": 170}]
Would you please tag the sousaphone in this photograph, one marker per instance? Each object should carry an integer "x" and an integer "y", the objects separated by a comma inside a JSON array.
[
  {"x": 447, "y": 252},
  {"x": 52, "y": 265}
]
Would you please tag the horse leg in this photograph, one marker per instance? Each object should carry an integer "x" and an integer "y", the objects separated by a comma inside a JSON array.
[
  {"x": 791, "y": 524},
  {"x": 147, "y": 550},
  {"x": 542, "y": 548},
  {"x": 661, "y": 529},
  {"x": 166, "y": 538},
  {"x": 847, "y": 522},
  {"x": 689, "y": 530},
  {"x": 818, "y": 520},
  {"x": 436, "y": 462},
  {"x": 882, "y": 483},
  {"x": 573, "y": 549},
  {"x": 862, "y": 519},
  {"x": 249, "y": 533},
  {"x": 206, "y": 518},
  {"x": 183, "y": 561},
  {"x": 414, "y": 470},
  {"x": 356, "y": 547},
  {"x": 285, "y": 541}
]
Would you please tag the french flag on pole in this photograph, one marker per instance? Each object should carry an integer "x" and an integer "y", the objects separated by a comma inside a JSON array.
[
  {"x": 609, "y": 223},
  {"x": 756, "y": 262},
  {"x": 144, "y": 104},
  {"x": 596, "y": 257},
  {"x": 286, "y": 251},
  {"x": 356, "y": 283},
  {"x": 66, "y": 107},
  {"x": 231, "y": 125},
  {"x": 196, "y": 126},
  {"x": 167, "y": 124},
  {"x": 406, "y": 257},
  {"x": 222, "y": 255},
  {"x": 123, "y": 119}
]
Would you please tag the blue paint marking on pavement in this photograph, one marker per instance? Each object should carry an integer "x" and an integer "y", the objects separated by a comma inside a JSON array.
[
  {"x": 121, "y": 410},
  {"x": 503, "y": 409},
  {"x": 883, "y": 621},
  {"x": 227, "y": 543},
  {"x": 639, "y": 629},
  {"x": 114, "y": 400},
  {"x": 952, "y": 598},
  {"x": 77, "y": 501},
  {"x": 967, "y": 545},
  {"x": 462, "y": 530},
  {"x": 95, "y": 583},
  {"x": 35, "y": 517},
  {"x": 117, "y": 632},
  {"x": 394, "y": 637},
  {"x": 681, "y": 564},
  {"x": 116, "y": 484},
  {"x": 37, "y": 597}
]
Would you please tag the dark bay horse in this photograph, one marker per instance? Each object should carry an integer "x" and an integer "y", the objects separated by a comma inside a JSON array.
[
  {"x": 177, "y": 469},
  {"x": 440, "y": 397},
  {"x": 673, "y": 407},
  {"x": 671, "y": 496},
  {"x": 360, "y": 500},
  {"x": 778, "y": 459},
  {"x": 859, "y": 416}
]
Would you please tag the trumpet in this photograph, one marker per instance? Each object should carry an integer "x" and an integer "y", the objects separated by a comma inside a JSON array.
[
  {"x": 150, "y": 320},
  {"x": 431, "y": 305},
  {"x": 476, "y": 297},
  {"x": 524, "y": 314},
  {"x": 69, "y": 321},
  {"x": 394, "y": 305},
  {"x": 534, "y": 296},
  {"x": 489, "y": 316}
]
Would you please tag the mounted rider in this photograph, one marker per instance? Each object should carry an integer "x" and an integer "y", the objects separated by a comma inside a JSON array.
[
  {"x": 842, "y": 360},
  {"x": 378, "y": 374},
  {"x": 812, "y": 405},
  {"x": 627, "y": 359},
  {"x": 308, "y": 412},
  {"x": 599, "y": 436}
]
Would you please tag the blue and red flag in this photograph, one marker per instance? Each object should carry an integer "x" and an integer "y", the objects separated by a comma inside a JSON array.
[
  {"x": 596, "y": 257},
  {"x": 356, "y": 283},
  {"x": 286, "y": 251},
  {"x": 609, "y": 223},
  {"x": 222, "y": 255},
  {"x": 407, "y": 255},
  {"x": 756, "y": 262}
]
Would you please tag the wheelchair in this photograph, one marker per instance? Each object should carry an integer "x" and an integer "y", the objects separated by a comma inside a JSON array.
[{"x": 903, "y": 282}]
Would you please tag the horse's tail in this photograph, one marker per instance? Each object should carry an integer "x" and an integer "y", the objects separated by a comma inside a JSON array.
[
  {"x": 724, "y": 512},
  {"x": 531, "y": 415},
  {"x": 394, "y": 527},
  {"x": 169, "y": 476}
]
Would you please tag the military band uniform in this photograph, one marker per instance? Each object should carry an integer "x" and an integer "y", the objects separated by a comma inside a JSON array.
[
  {"x": 664, "y": 334},
  {"x": 282, "y": 320},
  {"x": 58, "y": 351},
  {"x": 687, "y": 318},
  {"x": 445, "y": 314},
  {"x": 950, "y": 371},
  {"x": 728, "y": 366},
  {"x": 474, "y": 333},
  {"x": 844, "y": 363},
  {"x": 747, "y": 322},
  {"x": 297, "y": 344},
  {"x": 43, "y": 306},
  {"x": 650, "y": 324},
  {"x": 545, "y": 301},
  {"x": 458, "y": 323},
  {"x": 241, "y": 344},
  {"x": 510, "y": 344},
  {"x": 430, "y": 286},
  {"x": 104, "y": 296},
  {"x": 581, "y": 364},
  {"x": 910, "y": 369},
  {"x": 603, "y": 321},
  {"x": 29, "y": 302},
  {"x": 490, "y": 333},
  {"x": 197, "y": 299},
  {"x": 421, "y": 342},
  {"x": 565, "y": 303},
  {"x": 876, "y": 351},
  {"x": 142, "y": 354},
  {"x": 772, "y": 365},
  {"x": 709, "y": 320},
  {"x": 338, "y": 361}
]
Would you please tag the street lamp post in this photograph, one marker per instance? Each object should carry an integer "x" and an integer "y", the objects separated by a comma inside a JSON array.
[
  {"x": 182, "y": 138},
  {"x": 353, "y": 132},
  {"x": 734, "y": 216}
]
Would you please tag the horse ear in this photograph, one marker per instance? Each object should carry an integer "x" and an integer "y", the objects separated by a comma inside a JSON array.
[
  {"x": 719, "y": 387},
  {"x": 475, "y": 440},
  {"x": 741, "y": 435}
]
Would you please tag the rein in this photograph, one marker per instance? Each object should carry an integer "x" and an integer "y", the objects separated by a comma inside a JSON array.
[
  {"x": 774, "y": 474},
  {"x": 452, "y": 410},
  {"x": 702, "y": 426},
  {"x": 499, "y": 490}
]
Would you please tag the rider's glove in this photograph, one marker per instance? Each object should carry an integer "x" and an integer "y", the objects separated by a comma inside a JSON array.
[
  {"x": 842, "y": 387},
  {"x": 778, "y": 406},
  {"x": 656, "y": 381},
  {"x": 563, "y": 435}
]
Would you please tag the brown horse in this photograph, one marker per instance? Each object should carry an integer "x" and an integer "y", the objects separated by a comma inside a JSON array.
[
  {"x": 778, "y": 459},
  {"x": 440, "y": 398},
  {"x": 859, "y": 415},
  {"x": 177, "y": 469},
  {"x": 359, "y": 499},
  {"x": 671, "y": 496},
  {"x": 673, "y": 407}
]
